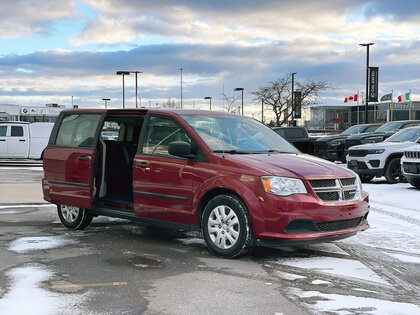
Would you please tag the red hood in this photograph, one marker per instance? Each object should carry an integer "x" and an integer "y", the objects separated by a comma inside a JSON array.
[{"x": 292, "y": 165}]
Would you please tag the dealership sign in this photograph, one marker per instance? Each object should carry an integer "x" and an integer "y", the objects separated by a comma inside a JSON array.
[{"x": 373, "y": 84}]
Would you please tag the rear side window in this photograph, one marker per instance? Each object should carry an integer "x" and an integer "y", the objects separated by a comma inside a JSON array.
[
  {"x": 371, "y": 128},
  {"x": 16, "y": 131},
  {"x": 159, "y": 133},
  {"x": 77, "y": 130},
  {"x": 3, "y": 130}
]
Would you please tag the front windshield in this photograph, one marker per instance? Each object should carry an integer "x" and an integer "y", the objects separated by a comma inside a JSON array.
[
  {"x": 404, "y": 135},
  {"x": 237, "y": 134},
  {"x": 353, "y": 130},
  {"x": 389, "y": 127}
]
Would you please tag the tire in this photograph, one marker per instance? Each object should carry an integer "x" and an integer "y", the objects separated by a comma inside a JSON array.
[
  {"x": 227, "y": 227},
  {"x": 415, "y": 182},
  {"x": 393, "y": 172},
  {"x": 366, "y": 178},
  {"x": 74, "y": 218}
]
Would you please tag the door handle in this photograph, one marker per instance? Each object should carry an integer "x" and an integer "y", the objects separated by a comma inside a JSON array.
[
  {"x": 83, "y": 158},
  {"x": 22, "y": 140},
  {"x": 2, "y": 139},
  {"x": 142, "y": 164}
]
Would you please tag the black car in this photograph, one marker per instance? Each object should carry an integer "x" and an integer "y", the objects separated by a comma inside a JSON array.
[
  {"x": 298, "y": 136},
  {"x": 383, "y": 132},
  {"x": 332, "y": 147}
]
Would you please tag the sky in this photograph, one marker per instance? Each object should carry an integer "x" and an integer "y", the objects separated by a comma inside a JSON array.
[{"x": 52, "y": 50}]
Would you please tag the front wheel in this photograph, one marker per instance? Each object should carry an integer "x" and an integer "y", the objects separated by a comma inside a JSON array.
[
  {"x": 393, "y": 172},
  {"x": 227, "y": 227},
  {"x": 74, "y": 218}
]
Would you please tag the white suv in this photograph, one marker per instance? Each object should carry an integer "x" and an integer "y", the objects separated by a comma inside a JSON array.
[
  {"x": 410, "y": 164},
  {"x": 382, "y": 159}
]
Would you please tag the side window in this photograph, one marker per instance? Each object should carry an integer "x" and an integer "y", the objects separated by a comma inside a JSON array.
[
  {"x": 77, "y": 130},
  {"x": 160, "y": 132},
  {"x": 371, "y": 128},
  {"x": 16, "y": 131},
  {"x": 3, "y": 130}
]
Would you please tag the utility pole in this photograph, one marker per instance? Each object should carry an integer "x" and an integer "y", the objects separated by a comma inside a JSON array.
[
  {"x": 367, "y": 80},
  {"x": 293, "y": 92},
  {"x": 181, "y": 84}
]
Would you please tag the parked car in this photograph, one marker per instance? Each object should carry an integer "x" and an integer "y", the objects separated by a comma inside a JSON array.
[
  {"x": 332, "y": 147},
  {"x": 382, "y": 159},
  {"x": 380, "y": 134},
  {"x": 23, "y": 140},
  {"x": 229, "y": 176},
  {"x": 410, "y": 164},
  {"x": 298, "y": 136}
]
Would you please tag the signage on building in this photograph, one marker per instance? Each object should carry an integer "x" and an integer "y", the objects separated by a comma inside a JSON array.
[
  {"x": 297, "y": 99},
  {"x": 373, "y": 84}
]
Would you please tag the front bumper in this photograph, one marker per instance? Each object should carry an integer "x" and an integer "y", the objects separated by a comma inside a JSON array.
[
  {"x": 371, "y": 164},
  {"x": 410, "y": 168},
  {"x": 306, "y": 218}
]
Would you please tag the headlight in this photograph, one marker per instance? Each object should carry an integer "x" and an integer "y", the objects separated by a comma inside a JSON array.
[
  {"x": 335, "y": 143},
  {"x": 376, "y": 151},
  {"x": 283, "y": 186},
  {"x": 371, "y": 140}
]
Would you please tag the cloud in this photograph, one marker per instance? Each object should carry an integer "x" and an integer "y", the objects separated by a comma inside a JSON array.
[{"x": 20, "y": 18}]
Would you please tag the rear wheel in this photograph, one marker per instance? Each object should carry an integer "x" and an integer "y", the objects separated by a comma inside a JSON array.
[
  {"x": 366, "y": 178},
  {"x": 393, "y": 172},
  {"x": 74, "y": 218},
  {"x": 227, "y": 227}
]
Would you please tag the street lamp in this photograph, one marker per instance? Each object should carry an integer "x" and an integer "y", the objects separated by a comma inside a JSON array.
[
  {"x": 123, "y": 73},
  {"x": 293, "y": 92},
  {"x": 242, "y": 90},
  {"x": 181, "y": 84},
  {"x": 208, "y": 98},
  {"x": 136, "y": 72},
  {"x": 105, "y": 100},
  {"x": 367, "y": 79},
  {"x": 262, "y": 110}
]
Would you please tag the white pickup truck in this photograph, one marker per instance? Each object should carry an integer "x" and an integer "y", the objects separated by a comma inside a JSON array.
[{"x": 22, "y": 140}]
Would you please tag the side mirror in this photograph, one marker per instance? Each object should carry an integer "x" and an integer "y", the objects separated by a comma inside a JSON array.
[{"x": 180, "y": 148}]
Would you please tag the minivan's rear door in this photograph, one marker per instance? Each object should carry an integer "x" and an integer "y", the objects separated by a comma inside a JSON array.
[{"x": 69, "y": 160}]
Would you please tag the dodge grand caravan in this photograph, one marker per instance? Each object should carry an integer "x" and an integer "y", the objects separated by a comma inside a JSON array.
[{"x": 229, "y": 176}]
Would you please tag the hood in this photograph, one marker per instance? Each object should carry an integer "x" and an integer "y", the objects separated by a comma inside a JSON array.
[
  {"x": 292, "y": 165},
  {"x": 415, "y": 147},
  {"x": 366, "y": 135},
  {"x": 393, "y": 146},
  {"x": 332, "y": 138}
]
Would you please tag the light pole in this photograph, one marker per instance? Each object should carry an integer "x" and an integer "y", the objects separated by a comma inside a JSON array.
[
  {"x": 293, "y": 92},
  {"x": 123, "y": 73},
  {"x": 140, "y": 101},
  {"x": 208, "y": 98},
  {"x": 242, "y": 90},
  {"x": 105, "y": 100},
  {"x": 367, "y": 79},
  {"x": 262, "y": 110},
  {"x": 181, "y": 84},
  {"x": 136, "y": 72}
]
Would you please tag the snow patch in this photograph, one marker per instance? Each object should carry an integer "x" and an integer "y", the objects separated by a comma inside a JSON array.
[
  {"x": 320, "y": 282},
  {"x": 336, "y": 266},
  {"x": 28, "y": 206},
  {"x": 289, "y": 276},
  {"x": 406, "y": 258},
  {"x": 189, "y": 241},
  {"x": 347, "y": 304},
  {"x": 26, "y": 297},
  {"x": 25, "y": 244}
]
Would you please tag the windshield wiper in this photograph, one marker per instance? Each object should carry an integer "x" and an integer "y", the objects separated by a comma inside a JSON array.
[
  {"x": 232, "y": 151},
  {"x": 272, "y": 151}
]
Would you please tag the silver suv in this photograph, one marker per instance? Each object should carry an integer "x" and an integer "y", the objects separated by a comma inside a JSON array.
[
  {"x": 410, "y": 164},
  {"x": 382, "y": 159}
]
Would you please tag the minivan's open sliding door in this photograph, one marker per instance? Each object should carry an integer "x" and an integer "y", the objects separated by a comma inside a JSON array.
[{"x": 69, "y": 159}]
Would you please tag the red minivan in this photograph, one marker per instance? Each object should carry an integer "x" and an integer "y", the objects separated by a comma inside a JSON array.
[{"x": 229, "y": 176}]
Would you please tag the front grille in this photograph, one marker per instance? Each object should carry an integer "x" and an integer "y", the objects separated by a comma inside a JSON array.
[
  {"x": 411, "y": 168},
  {"x": 333, "y": 190},
  {"x": 330, "y": 226},
  {"x": 350, "y": 143},
  {"x": 412, "y": 154},
  {"x": 359, "y": 153}
]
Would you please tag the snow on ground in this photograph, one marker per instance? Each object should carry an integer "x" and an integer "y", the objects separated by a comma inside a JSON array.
[
  {"x": 347, "y": 304},
  {"x": 26, "y": 296},
  {"x": 25, "y": 244},
  {"x": 346, "y": 268}
]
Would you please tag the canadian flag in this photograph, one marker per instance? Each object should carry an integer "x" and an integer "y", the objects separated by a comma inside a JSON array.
[{"x": 351, "y": 98}]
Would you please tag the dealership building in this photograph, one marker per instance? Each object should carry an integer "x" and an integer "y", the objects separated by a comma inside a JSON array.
[
  {"x": 48, "y": 113},
  {"x": 333, "y": 116}
]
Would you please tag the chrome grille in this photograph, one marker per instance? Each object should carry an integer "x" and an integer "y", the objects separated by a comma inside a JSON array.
[
  {"x": 333, "y": 190},
  {"x": 412, "y": 154}
]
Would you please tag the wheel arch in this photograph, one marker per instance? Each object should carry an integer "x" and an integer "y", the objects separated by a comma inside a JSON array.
[{"x": 392, "y": 156}]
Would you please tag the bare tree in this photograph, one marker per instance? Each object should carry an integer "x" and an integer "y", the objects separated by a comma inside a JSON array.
[
  {"x": 230, "y": 102},
  {"x": 170, "y": 103},
  {"x": 277, "y": 96}
]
